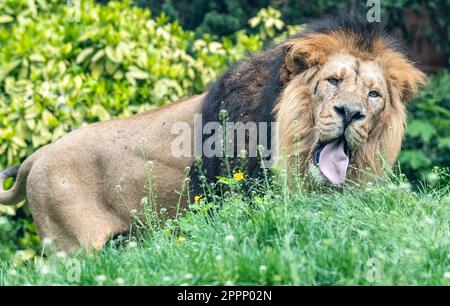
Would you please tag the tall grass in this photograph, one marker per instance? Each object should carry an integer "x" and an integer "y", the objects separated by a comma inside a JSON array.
[{"x": 379, "y": 233}]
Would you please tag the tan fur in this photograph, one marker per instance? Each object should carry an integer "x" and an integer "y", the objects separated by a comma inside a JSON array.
[{"x": 83, "y": 188}]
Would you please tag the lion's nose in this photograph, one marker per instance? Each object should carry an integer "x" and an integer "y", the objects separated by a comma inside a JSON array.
[{"x": 349, "y": 114}]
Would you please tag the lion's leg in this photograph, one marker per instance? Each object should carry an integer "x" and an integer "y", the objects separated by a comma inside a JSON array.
[
  {"x": 74, "y": 225},
  {"x": 73, "y": 220}
]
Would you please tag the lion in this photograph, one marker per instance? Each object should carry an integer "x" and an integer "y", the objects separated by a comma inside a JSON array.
[{"x": 337, "y": 92}]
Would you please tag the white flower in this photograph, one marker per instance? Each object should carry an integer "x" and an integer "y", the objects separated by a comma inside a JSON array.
[
  {"x": 132, "y": 244},
  {"x": 405, "y": 186},
  {"x": 12, "y": 272},
  {"x": 188, "y": 276},
  {"x": 363, "y": 233},
  {"x": 262, "y": 269},
  {"x": 229, "y": 238},
  {"x": 433, "y": 178},
  {"x": 100, "y": 279},
  {"x": 47, "y": 241},
  {"x": 229, "y": 283},
  {"x": 429, "y": 220},
  {"x": 219, "y": 258},
  {"x": 61, "y": 255},
  {"x": 447, "y": 275},
  {"x": 44, "y": 269},
  {"x": 392, "y": 186},
  {"x": 120, "y": 281},
  {"x": 166, "y": 279}
]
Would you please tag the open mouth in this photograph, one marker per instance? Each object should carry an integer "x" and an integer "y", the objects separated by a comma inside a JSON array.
[{"x": 333, "y": 158}]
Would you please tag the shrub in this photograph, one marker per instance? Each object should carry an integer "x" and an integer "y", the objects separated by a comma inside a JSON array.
[
  {"x": 427, "y": 141},
  {"x": 223, "y": 18}
]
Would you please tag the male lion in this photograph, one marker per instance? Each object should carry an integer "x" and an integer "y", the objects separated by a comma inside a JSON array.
[{"x": 337, "y": 91}]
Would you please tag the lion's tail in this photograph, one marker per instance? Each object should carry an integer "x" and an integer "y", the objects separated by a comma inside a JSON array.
[{"x": 16, "y": 193}]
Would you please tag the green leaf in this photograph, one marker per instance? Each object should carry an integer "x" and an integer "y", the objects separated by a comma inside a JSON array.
[
  {"x": 444, "y": 143},
  {"x": 37, "y": 58},
  {"x": 100, "y": 53},
  {"x": 421, "y": 129},
  {"x": 48, "y": 119},
  {"x": 7, "y": 210},
  {"x": 19, "y": 141},
  {"x": 114, "y": 55},
  {"x": 83, "y": 55},
  {"x": 6, "y": 19},
  {"x": 100, "y": 112},
  {"x": 97, "y": 70},
  {"x": 137, "y": 74},
  {"x": 253, "y": 22},
  {"x": 415, "y": 158},
  {"x": 111, "y": 67},
  {"x": 78, "y": 81}
]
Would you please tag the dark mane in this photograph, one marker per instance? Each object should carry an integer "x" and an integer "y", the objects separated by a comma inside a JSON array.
[
  {"x": 249, "y": 90},
  {"x": 365, "y": 32}
]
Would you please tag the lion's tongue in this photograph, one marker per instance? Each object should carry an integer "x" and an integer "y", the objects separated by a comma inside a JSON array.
[{"x": 333, "y": 162}]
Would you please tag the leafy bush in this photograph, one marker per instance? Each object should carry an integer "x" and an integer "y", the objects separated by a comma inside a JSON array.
[
  {"x": 219, "y": 17},
  {"x": 428, "y": 132},
  {"x": 223, "y": 18}
]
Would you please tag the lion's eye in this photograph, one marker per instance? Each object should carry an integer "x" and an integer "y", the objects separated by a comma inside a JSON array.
[
  {"x": 333, "y": 81},
  {"x": 374, "y": 94}
]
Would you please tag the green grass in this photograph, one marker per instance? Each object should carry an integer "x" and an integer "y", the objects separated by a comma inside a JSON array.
[{"x": 384, "y": 233}]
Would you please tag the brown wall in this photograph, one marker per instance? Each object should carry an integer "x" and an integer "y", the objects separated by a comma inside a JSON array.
[{"x": 423, "y": 52}]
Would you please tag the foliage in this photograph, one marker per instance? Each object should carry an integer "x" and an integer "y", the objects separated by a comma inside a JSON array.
[
  {"x": 226, "y": 17},
  {"x": 217, "y": 17},
  {"x": 376, "y": 234},
  {"x": 436, "y": 10},
  {"x": 428, "y": 132}
]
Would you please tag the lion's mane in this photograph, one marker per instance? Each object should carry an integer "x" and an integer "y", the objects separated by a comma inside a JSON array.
[{"x": 262, "y": 88}]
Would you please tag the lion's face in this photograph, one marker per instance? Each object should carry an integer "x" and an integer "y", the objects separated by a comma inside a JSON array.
[
  {"x": 341, "y": 113},
  {"x": 348, "y": 96}
]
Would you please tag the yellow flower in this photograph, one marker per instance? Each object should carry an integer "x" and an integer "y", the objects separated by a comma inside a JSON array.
[
  {"x": 238, "y": 176},
  {"x": 197, "y": 198},
  {"x": 180, "y": 240}
]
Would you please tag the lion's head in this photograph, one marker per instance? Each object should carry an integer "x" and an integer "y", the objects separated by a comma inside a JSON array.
[
  {"x": 342, "y": 110},
  {"x": 338, "y": 92}
]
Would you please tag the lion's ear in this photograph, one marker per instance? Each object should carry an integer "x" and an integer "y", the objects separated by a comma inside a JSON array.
[
  {"x": 303, "y": 53},
  {"x": 403, "y": 76}
]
